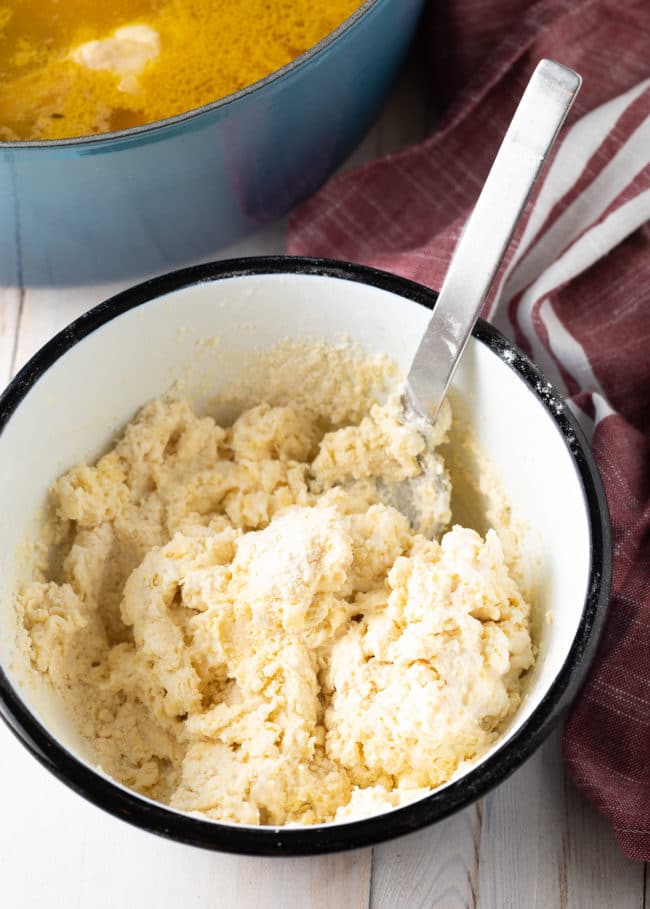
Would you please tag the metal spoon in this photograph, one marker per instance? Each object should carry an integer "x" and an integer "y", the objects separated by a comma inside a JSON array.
[{"x": 480, "y": 250}]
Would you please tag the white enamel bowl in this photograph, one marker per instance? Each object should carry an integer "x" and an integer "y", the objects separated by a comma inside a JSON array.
[{"x": 84, "y": 385}]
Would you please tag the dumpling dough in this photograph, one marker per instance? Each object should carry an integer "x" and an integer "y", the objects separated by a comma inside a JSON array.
[{"x": 240, "y": 627}]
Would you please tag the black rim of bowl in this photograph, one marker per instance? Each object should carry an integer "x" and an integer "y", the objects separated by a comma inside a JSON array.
[
  {"x": 159, "y": 819},
  {"x": 301, "y": 60}
]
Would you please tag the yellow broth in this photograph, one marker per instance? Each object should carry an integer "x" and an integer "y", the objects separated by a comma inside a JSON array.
[{"x": 64, "y": 72}]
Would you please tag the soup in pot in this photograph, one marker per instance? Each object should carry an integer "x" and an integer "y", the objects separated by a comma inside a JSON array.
[{"x": 79, "y": 67}]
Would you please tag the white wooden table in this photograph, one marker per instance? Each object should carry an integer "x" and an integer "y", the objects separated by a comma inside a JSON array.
[{"x": 534, "y": 843}]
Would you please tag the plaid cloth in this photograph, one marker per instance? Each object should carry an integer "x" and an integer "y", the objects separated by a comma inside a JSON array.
[{"x": 574, "y": 293}]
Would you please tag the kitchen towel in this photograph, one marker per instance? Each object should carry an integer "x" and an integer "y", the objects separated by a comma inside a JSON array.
[{"x": 574, "y": 294}]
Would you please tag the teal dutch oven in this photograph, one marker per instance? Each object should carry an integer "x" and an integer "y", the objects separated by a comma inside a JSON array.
[{"x": 140, "y": 200}]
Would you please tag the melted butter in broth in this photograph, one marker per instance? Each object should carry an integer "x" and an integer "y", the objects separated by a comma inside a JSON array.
[{"x": 78, "y": 67}]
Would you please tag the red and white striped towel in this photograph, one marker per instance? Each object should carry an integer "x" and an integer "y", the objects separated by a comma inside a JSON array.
[{"x": 575, "y": 295}]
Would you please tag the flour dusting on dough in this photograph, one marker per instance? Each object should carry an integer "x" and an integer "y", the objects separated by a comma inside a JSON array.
[{"x": 239, "y": 626}]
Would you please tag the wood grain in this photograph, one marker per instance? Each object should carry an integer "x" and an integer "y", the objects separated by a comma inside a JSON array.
[
  {"x": 321, "y": 882},
  {"x": 597, "y": 872},
  {"x": 534, "y": 842},
  {"x": 437, "y": 867},
  {"x": 11, "y": 299},
  {"x": 543, "y": 845}
]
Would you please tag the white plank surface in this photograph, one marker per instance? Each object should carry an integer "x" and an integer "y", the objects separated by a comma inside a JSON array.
[
  {"x": 538, "y": 822},
  {"x": 534, "y": 842},
  {"x": 10, "y": 306},
  {"x": 437, "y": 867}
]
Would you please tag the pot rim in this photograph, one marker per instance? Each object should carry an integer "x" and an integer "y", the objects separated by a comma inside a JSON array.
[
  {"x": 332, "y": 837},
  {"x": 88, "y": 141}
]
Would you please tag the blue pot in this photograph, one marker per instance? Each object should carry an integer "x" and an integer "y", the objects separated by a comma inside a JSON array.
[{"x": 144, "y": 199}]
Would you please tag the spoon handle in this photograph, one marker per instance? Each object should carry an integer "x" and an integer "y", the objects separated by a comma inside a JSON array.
[{"x": 482, "y": 245}]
